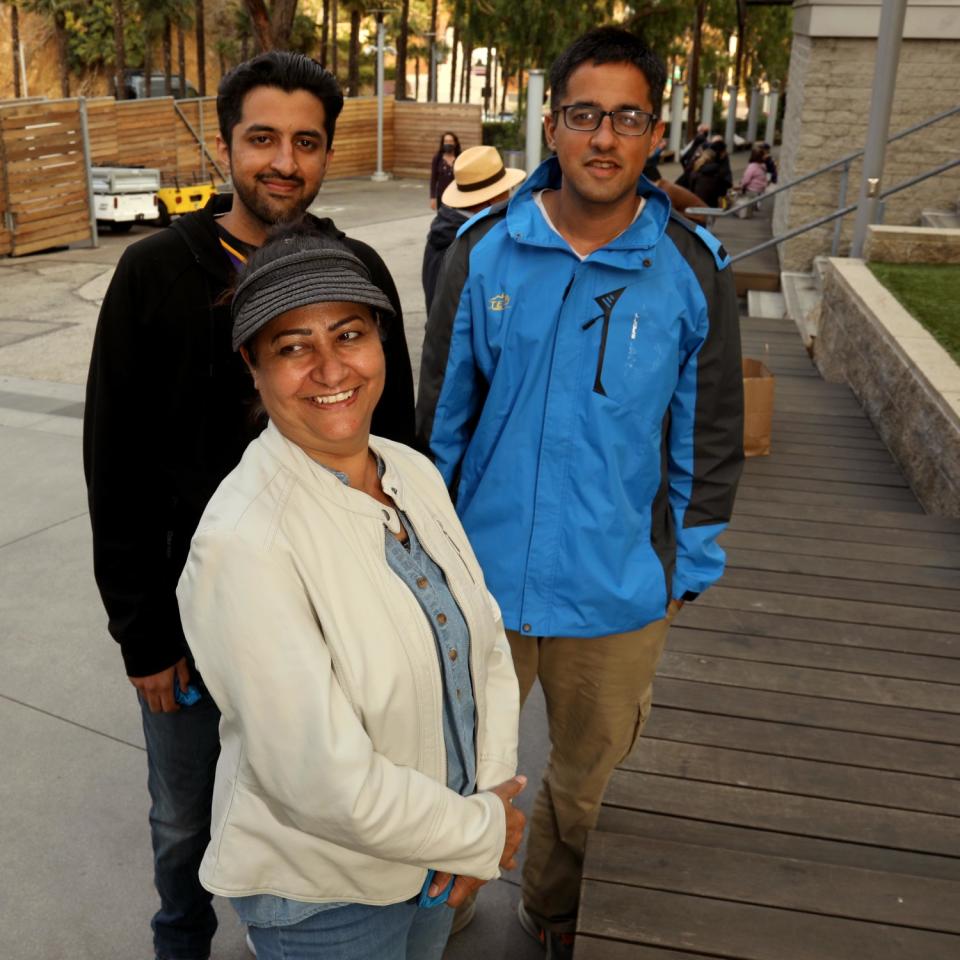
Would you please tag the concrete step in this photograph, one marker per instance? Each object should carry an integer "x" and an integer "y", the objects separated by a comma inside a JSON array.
[
  {"x": 767, "y": 304},
  {"x": 941, "y": 219},
  {"x": 802, "y": 299},
  {"x": 819, "y": 270}
]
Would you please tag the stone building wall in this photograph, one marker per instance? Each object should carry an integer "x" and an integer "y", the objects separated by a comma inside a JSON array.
[{"x": 827, "y": 109}]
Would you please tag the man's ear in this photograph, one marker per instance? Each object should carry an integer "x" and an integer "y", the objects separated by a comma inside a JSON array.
[
  {"x": 549, "y": 129},
  {"x": 223, "y": 152}
]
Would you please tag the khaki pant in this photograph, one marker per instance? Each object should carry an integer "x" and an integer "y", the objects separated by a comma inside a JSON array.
[{"x": 598, "y": 693}]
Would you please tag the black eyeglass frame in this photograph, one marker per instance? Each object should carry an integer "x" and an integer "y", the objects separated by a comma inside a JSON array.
[{"x": 652, "y": 118}]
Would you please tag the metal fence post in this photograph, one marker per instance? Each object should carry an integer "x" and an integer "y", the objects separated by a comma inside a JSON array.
[
  {"x": 841, "y": 202},
  {"x": 676, "y": 119},
  {"x": 379, "y": 176},
  {"x": 534, "y": 118},
  {"x": 87, "y": 164}
]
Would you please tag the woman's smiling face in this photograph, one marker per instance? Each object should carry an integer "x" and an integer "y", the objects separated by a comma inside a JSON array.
[{"x": 320, "y": 372}]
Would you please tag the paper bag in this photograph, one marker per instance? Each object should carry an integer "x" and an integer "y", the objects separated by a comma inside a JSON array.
[{"x": 757, "y": 408}]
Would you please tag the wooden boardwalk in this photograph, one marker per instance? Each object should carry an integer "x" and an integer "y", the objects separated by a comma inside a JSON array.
[{"x": 796, "y": 794}]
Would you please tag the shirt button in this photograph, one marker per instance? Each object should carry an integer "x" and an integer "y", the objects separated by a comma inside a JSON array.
[
  {"x": 423, "y": 583},
  {"x": 526, "y": 628},
  {"x": 647, "y": 263},
  {"x": 453, "y": 654},
  {"x": 441, "y": 618}
]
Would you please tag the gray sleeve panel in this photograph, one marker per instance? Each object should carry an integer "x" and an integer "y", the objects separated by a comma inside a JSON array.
[
  {"x": 439, "y": 329},
  {"x": 718, "y": 419}
]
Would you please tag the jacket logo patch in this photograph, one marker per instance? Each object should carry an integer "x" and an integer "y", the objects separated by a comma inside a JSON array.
[
  {"x": 500, "y": 302},
  {"x": 606, "y": 302}
]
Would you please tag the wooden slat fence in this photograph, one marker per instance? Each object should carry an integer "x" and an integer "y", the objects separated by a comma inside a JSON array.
[
  {"x": 44, "y": 180},
  {"x": 417, "y": 128}
]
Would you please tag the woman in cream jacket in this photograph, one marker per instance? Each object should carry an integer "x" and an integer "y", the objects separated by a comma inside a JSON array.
[{"x": 341, "y": 624}]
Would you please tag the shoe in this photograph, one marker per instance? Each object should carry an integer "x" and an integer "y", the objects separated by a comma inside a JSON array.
[
  {"x": 464, "y": 914},
  {"x": 559, "y": 946},
  {"x": 250, "y": 946}
]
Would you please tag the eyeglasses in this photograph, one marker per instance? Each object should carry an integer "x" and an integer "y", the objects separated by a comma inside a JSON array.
[{"x": 586, "y": 119}]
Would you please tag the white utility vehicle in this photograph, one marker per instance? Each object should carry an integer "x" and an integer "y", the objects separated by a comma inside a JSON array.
[{"x": 123, "y": 196}]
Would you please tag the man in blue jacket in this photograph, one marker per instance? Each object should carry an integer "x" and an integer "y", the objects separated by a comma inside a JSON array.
[{"x": 581, "y": 392}]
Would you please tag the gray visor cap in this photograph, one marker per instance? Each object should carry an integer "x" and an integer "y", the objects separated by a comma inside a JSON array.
[{"x": 298, "y": 280}]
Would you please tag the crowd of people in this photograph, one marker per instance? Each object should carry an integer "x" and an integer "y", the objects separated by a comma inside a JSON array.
[{"x": 333, "y": 601}]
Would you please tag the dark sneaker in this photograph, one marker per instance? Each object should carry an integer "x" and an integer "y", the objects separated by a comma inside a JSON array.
[{"x": 559, "y": 946}]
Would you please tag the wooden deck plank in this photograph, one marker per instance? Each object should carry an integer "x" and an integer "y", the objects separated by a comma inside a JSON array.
[
  {"x": 896, "y": 563},
  {"x": 785, "y": 813},
  {"x": 791, "y": 740},
  {"x": 811, "y": 652},
  {"x": 937, "y": 698},
  {"x": 785, "y": 882},
  {"x": 828, "y": 608},
  {"x": 920, "y": 726},
  {"x": 645, "y": 823},
  {"x": 842, "y": 588},
  {"x": 749, "y": 492},
  {"x": 818, "y": 451},
  {"x": 739, "y": 930},
  {"x": 848, "y": 633},
  {"x": 741, "y": 767},
  {"x": 874, "y": 475},
  {"x": 852, "y": 492},
  {"x": 598, "y": 948}
]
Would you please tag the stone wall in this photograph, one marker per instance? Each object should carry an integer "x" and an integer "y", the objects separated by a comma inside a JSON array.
[
  {"x": 887, "y": 244},
  {"x": 828, "y": 105},
  {"x": 908, "y": 384}
]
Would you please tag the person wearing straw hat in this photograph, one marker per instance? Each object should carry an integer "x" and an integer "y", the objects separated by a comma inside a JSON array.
[
  {"x": 480, "y": 181},
  {"x": 343, "y": 627}
]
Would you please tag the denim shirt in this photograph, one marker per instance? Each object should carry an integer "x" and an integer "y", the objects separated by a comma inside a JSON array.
[{"x": 427, "y": 583}]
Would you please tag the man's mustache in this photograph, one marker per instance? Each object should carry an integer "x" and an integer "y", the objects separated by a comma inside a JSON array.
[{"x": 280, "y": 176}]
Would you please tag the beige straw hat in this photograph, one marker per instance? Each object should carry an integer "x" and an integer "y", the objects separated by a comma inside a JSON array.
[{"x": 479, "y": 175}]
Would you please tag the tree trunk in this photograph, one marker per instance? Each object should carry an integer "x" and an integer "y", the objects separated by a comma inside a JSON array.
[
  {"x": 282, "y": 15},
  {"x": 504, "y": 83},
  {"x": 741, "y": 41},
  {"x": 260, "y": 22},
  {"x": 416, "y": 82},
  {"x": 60, "y": 27},
  {"x": 15, "y": 41},
  {"x": 693, "y": 79},
  {"x": 167, "y": 57},
  {"x": 493, "y": 81},
  {"x": 201, "y": 50},
  {"x": 324, "y": 33},
  {"x": 119, "y": 51},
  {"x": 400, "y": 85},
  {"x": 353, "y": 68},
  {"x": 486, "y": 86},
  {"x": 453, "y": 63},
  {"x": 182, "y": 60},
  {"x": 432, "y": 74},
  {"x": 148, "y": 66},
  {"x": 334, "y": 51},
  {"x": 468, "y": 66}
]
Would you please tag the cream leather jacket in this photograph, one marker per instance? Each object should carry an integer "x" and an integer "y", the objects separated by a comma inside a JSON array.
[{"x": 331, "y": 778}]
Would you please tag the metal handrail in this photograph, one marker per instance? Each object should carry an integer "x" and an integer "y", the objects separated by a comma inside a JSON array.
[
  {"x": 717, "y": 213},
  {"x": 843, "y": 211}
]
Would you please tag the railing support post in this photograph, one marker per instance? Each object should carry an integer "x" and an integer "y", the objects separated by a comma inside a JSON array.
[
  {"x": 841, "y": 202},
  {"x": 753, "y": 117},
  {"x": 884, "y": 81},
  {"x": 676, "y": 119},
  {"x": 731, "y": 116},
  {"x": 534, "y": 118}
]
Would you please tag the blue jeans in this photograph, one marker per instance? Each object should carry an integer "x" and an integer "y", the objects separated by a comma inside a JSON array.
[
  {"x": 402, "y": 931},
  {"x": 182, "y": 751}
]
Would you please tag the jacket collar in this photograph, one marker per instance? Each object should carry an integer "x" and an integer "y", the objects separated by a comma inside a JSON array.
[
  {"x": 326, "y": 483},
  {"x": 526, "y": 224}
]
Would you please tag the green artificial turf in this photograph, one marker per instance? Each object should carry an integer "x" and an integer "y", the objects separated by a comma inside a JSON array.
[{"x": 931, "y": 293}]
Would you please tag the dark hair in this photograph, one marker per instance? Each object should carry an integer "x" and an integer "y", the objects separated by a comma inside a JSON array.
[
  {"x": 286, "y": 71},
  {"x": 756, "y": 153},
  {"x": 456, "y": 140},
  {"x": 296, "y": 237},
  {"x": 608, "y": 45}
]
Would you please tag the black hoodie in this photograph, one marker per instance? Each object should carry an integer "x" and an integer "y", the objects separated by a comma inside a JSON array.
[
  {"x": 443, "y": 231},
  {"x": 168, "y": 415}
]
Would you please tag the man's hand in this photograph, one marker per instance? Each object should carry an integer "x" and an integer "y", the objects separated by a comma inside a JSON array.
[
  {"x": 157, "y": 689},
  {"x": 463, "y": 887},
  {"x": 433, "y": 203}
]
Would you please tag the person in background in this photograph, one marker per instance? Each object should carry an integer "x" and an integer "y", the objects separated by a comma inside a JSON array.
[
  {"x": 680, "y": 197},
  {"x": 753, "y": 182},
  {"x": 769, "y": 162},
  {"x": 711, "y": 176},
  {"x": 581, "y": 392},
  {"x": 168, "y": 415},
  {"x": 480, "y": 181},
  {"x": 343, "y": 627},
  {"x": 441, "y": 167},
  {"x": 690, "y": 153}
]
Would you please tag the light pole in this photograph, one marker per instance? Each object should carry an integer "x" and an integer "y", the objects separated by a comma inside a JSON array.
[
  {"x": 535, "y": 84},
  {"x": 379, "y": 176}
]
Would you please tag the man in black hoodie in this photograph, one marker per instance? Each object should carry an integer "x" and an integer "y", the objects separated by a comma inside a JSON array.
[{"x": 168, "y": 415}]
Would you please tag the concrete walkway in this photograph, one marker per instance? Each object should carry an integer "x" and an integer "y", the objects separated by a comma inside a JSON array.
[{"x": 75, "y": 880}]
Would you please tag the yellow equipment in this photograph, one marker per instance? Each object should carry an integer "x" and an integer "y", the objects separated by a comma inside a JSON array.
[{"x": 176, "y": 200}]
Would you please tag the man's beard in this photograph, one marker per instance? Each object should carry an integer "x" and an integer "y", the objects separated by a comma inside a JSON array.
[{"x": 262, "y": 210}]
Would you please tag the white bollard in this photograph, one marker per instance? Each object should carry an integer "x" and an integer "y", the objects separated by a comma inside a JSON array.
[
  {"x": 731, "y": 116},
  {"x": 676, "y": 120},
  {"x": 706, "y": 109},
  {"x": 534, "y": 118},
  {"x": 753, "y": 117},
  {"x": 770, "y": 130}
]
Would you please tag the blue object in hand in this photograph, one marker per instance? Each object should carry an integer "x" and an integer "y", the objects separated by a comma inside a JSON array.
[
  {"x": 425, "y": 899},
  {"x": 186, "y": 698}
]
